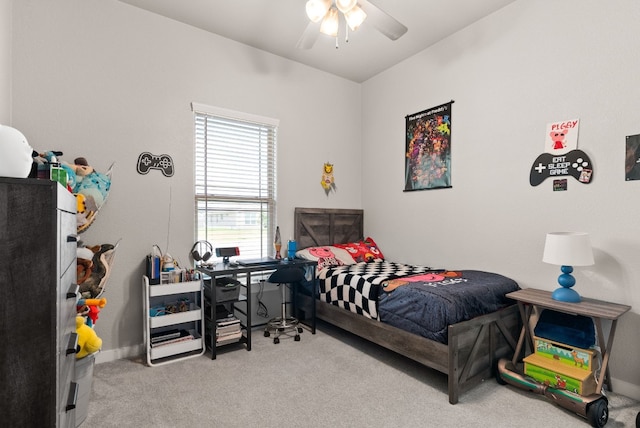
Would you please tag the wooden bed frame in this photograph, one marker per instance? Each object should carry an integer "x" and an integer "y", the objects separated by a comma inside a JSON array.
[{"x": 474, "y": 347}]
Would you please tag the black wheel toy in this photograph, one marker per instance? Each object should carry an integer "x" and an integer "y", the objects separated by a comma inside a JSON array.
[{"x": 598, "y": 413}]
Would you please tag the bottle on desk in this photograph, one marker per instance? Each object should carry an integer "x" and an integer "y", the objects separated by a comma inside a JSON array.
[{"x": 291, "y": 249}]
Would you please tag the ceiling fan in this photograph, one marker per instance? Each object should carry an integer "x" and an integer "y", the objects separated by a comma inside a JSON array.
[{"x": 324, "y": 18}]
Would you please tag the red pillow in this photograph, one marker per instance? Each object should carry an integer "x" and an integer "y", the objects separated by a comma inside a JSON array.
[{"x": 363, "y": 251}]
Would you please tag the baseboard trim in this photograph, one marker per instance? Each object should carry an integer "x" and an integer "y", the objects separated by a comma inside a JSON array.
[
  {"x": 119, "y": 354},
  {"x": 625, "y": 388}
]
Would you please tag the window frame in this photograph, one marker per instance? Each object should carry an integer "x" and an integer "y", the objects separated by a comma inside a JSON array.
[{"x": 261, "y": 204}]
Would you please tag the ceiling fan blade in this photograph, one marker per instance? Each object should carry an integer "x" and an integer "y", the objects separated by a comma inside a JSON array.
[
  {"x": 310, "y": 35},
  {"x": 383, "y": 22}
]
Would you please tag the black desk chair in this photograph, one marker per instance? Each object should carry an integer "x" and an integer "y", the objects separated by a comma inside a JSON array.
[{"x": 288, "y": 275}]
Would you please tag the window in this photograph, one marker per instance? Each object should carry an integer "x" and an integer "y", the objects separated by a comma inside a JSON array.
[{"x": 235, "y": 176}]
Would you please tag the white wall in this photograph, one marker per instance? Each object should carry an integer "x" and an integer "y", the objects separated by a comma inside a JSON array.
[
  {"x": 107, "y": 81},
  {"x": 527, "y": 65},
  {"x": 5, "y": 61}
]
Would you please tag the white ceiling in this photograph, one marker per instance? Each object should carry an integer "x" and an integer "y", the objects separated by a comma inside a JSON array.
[{"x": 276, "y": 26}]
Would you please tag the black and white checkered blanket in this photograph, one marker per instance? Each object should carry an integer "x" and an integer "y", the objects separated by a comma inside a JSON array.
[{"x": 356, "y": 287}]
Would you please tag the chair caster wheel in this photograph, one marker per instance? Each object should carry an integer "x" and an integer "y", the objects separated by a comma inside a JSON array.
[
  {"x": 267, "y": 334},
  {"x": 299, "y": 329},
  {"x": 276, "y": 340},
  {"x": 297, "y": 338}
]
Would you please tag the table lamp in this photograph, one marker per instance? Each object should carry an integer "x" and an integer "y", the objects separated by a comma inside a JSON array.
[{"x": 567, "y": 249}]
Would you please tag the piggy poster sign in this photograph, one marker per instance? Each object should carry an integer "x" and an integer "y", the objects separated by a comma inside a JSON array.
[
  {"x": 562, "y": 136},
  {"x": 561, "y": 156}
]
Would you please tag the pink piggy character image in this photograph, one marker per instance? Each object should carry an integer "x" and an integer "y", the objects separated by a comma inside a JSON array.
[
  {"x": 325, "y": 257},
  {"x": 558, "y": 139}
]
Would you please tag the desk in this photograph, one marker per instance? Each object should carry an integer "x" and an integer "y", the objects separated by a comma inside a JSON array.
[
  {"x": 598, "y": 310},
  {"x": 234, "y": 270}
]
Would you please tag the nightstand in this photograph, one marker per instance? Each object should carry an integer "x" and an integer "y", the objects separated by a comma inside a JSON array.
[{"x": 530, "y": 298}]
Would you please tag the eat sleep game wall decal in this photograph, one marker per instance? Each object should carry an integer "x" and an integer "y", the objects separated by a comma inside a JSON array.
[{"x": 561, "y": 156}]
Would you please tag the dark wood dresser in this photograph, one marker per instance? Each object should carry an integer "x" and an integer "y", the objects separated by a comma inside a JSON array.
[{"x": 38, "y": 294}]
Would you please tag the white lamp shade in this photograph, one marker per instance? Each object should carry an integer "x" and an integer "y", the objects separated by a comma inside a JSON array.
[
  {"x": 355, "y": 17},
  {"x": 568, "y": 249},
  {"x": 345, "y": 6},
  {"x": 317, "y": 9},
  {"x": 330, "y": 23}
]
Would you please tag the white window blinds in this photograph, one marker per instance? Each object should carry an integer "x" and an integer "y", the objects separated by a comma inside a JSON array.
[{"x": 235, "y": 180}]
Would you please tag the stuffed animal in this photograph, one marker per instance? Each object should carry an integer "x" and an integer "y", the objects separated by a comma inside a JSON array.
[
  {"x": 88, "y": 340},
  {"x": 89, "y": 182},
  {"x": 84, "y": 263},
  {"x": 91, "y": 189},
  {"x": 93, "y": 286},
  {"x": 90, "y": 308}
]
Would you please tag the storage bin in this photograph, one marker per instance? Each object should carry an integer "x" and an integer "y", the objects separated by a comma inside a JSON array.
[
  {"x": 227, "y": 289},
  {"x": 84, "y": 378},
  {"x": 572, "y": 330}
]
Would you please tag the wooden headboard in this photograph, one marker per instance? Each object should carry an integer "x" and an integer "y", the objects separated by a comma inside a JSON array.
[{"x": 327, "y": 226}]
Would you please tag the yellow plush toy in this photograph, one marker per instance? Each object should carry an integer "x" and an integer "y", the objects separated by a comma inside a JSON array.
[{"x": 88, "y": 340}]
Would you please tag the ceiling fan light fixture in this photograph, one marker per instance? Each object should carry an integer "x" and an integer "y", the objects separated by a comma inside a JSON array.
[
  {"x": 330, "y": 23},
  {"x": 317, "y": 9},
  {"x": 345, "y": 6},
  {"x": 355, "y": 17}
]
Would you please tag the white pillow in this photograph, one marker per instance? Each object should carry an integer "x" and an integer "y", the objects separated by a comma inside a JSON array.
[{"x": 327, "y": 255}]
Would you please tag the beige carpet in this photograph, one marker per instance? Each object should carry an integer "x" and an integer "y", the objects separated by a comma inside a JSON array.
[{"x": 331, "y": 379}]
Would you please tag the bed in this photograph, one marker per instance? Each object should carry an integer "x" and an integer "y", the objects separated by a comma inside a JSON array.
[{"x": 468, "y": 351}]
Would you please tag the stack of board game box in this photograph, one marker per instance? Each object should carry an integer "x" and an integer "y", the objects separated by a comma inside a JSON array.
[{"x": 562, "y": 366}]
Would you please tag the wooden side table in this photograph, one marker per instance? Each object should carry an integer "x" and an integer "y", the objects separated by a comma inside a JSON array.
[{"x": 529, "y": 298}]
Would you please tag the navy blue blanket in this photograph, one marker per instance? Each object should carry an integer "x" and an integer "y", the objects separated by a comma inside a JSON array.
[{"x": 426, "y": 305}]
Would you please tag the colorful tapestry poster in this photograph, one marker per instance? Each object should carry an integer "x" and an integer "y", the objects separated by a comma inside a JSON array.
[
  {"x": 632, "y": 158},
  {"x": 562, "y": 137},
  {"x": 428, "y": 149}
]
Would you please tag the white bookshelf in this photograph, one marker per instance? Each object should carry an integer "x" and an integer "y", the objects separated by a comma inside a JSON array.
[{"x": 185, "y": 314}]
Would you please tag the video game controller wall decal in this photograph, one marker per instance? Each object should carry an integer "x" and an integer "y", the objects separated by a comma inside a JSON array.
[
  {"x": 575, "y": 163},
  {"x": 147, "y": 161}
]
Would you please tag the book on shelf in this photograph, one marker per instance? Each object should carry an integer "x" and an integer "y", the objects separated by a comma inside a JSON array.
[
  {"x": 227, "y": 321},
  {"x": 228, "y": 338},
  {"x": 172, "y": 341},
  {"x": 183, "y": 335},
  {"x": 164, "y": 335},
  {"x": 153, "y": 269},
  {"x": 220, "y": 331}
]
